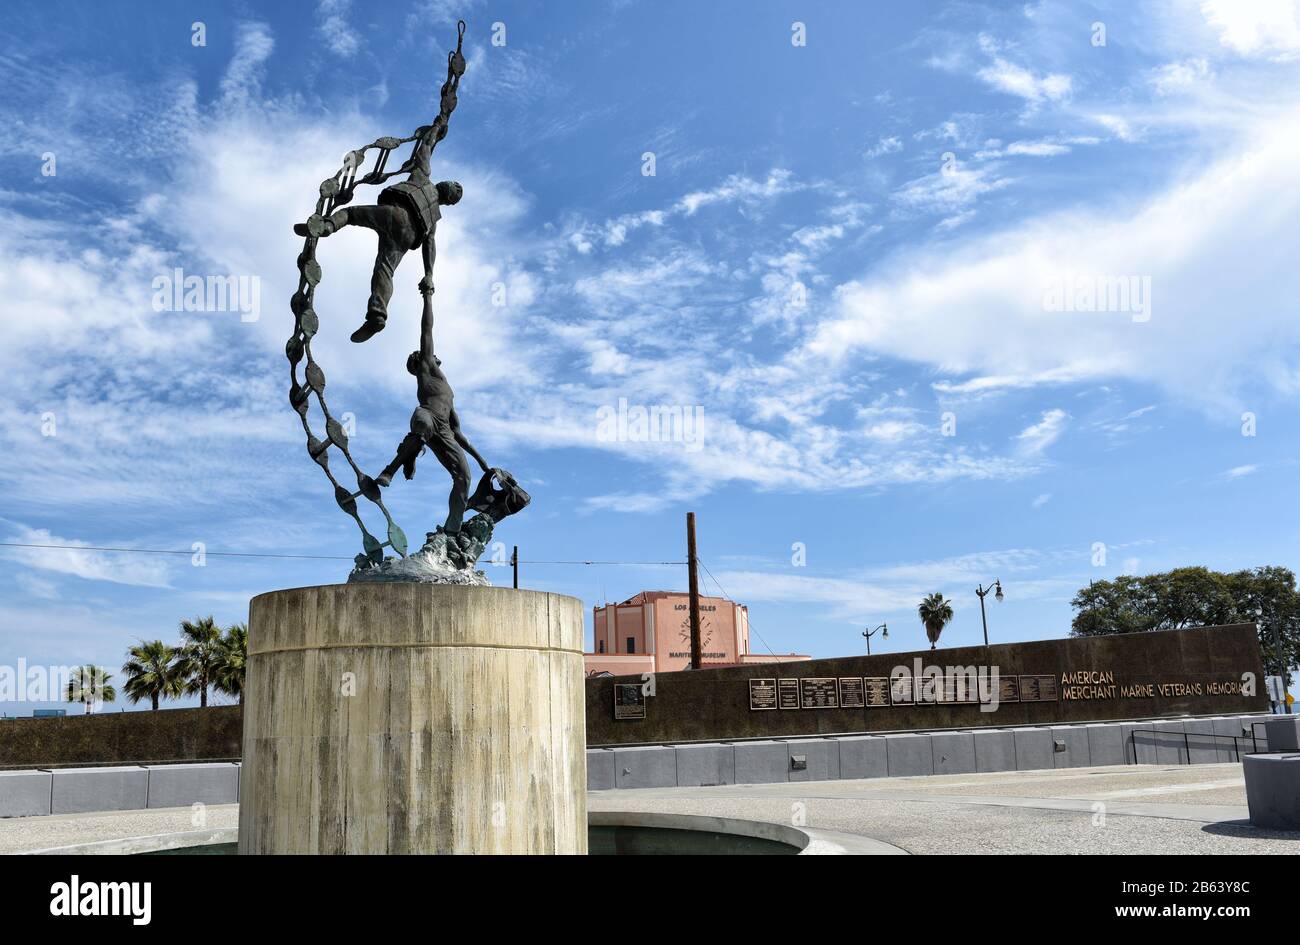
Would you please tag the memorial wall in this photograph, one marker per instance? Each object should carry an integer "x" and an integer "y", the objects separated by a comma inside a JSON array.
[{"x": 1201, "y": 671}]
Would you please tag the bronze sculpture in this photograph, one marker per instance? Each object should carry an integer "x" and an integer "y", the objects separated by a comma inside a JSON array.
[{"x": 404, "y": 218}]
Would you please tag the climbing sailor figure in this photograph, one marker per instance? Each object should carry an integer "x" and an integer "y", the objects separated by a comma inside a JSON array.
[
  {"x": 405, "y": 218},
  {"x": 407, "y": 214},
  {"x": 435, "y": 424}
]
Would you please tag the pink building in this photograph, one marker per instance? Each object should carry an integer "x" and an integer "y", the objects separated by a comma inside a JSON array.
[{"x": 651, "y": 633}]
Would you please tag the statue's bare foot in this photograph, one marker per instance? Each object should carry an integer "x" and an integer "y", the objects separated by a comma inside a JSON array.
[
  {"x": 369, "y": 328},
  {"x": 385, "y": 478}
]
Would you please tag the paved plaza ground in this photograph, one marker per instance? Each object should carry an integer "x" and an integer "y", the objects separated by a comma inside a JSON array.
[
  {"x": 28, "y": 834},
  {"x": 1184, "y": 809},
  {"x": 1132, "y": 809}
]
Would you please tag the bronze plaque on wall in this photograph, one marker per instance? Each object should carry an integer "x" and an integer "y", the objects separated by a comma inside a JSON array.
[
  {"x": 927, "y": 690},
  {"x": 1008, "y": 688},
  {"x": 820, "y": 692},
  {"x": 901, "y": 691},
  {"x": 851, "y": 692},
  {"x": 877, "y": 690},
  {"x": 787, "y": 693},
  {"x": 629, "y": 701},
  {"x": 762, "y": 694},
  {"x": 1038, "y": 689},
  {"x": 961, "y": 689}
]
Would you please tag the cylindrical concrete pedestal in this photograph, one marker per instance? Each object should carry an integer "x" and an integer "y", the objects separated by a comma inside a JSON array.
[{"x": 413, "y": 718}]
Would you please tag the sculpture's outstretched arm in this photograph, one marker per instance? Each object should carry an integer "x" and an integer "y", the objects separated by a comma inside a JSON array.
[
  {"x": 428, "y": 136},
  {"x": 426, "y": 321}
]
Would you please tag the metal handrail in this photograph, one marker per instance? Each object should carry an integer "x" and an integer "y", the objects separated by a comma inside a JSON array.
[{"x": 1187, "y": 745}]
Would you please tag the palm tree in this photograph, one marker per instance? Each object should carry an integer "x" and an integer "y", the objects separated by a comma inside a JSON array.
[
  {"x": 152, "y": 672},
  {"x": 200, "y": 655},
  {"x": 229, "y": 677},
  {"x": 89, "y": 685},
  {"x": 935, "y": 613}
]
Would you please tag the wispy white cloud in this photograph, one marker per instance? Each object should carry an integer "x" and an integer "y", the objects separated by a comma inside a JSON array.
[
  {"x": 1014, "y": 79},
  {"x": 740, "y": 188},
  {"x": 950, "y": 190},
  {"x": 335, "y": 30},
  {"x": 1179, "y": 76},
  {"x": 242, "y": 80},
  {"x": 748, "y": 192},
  {"x": 885, "y": 146},
  {"x": 1036, "y": 437}
]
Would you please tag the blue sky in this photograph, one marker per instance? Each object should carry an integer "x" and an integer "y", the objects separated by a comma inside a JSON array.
[{"x": 843, "y": 261}]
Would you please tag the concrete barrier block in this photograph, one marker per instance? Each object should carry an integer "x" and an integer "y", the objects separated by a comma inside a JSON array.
[
  {"x": 1157, "y": 742},
  {"x": 1106, "y": 744},
  {"x": 1140, "y": 740},
  {"x": 183, "y": 785},
  {"x": 1033, "y": 749},
  {"x": 762, "y": 762},
  {"x": 1171, "y": 746},
  {"x": 82, "y": 790},
  {"x": 909, "y": 755},
  {"x": 1227, "y": 725},
  {"x": 954, "y": 752},
  {"x": 699, "y": 765},
  {"x": 863, "y": 756},
  {"x": 1253, "y": 725},
  {"x": 1074, "y": 740},
  {"x": 25, "y": 793},
  {"x": 1204, "y": 747},
  {"x": 821, "y": 759},
  {"x": 1282, "y": 733},
  {"x": 995, "y": 750},
  {"x": 1231, "y": 726},
  {"x": 600, "y": 769},
  {"x": 1273, "y": 790},
  {"x": 1230, "y": 749},
  {"x": 652, "y": 766}
]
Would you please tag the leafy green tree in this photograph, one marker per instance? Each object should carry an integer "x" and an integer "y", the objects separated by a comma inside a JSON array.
[
  {"x": 90, "y": 686},
  {"x": 1196, "y": 597},
  {"x": 200, "y": 655},
  {"x": 152, "y": 673},
  {"x": 935, "y": 614},
  {"x": 229, "y": 677}
]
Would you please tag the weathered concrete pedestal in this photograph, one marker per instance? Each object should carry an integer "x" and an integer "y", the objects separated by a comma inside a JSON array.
[{"x": 414, "y": 718}]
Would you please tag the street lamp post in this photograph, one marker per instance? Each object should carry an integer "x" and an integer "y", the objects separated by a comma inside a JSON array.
[
  {"x": 883, "y": 630},
  {"x": 983, "y": 591}
]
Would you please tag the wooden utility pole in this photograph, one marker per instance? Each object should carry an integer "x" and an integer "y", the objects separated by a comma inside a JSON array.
[
  {"x": 514, "y": 563},
  {"x": 697, "y": 658}
]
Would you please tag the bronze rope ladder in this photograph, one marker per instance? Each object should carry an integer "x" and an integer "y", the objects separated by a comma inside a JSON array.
[{"x": 335, "y": 192}]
